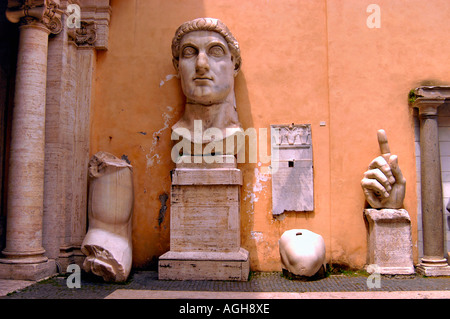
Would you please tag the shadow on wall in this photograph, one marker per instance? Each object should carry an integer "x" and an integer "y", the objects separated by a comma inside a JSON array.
[
  {"x": 154, "y": 21},
  {"x": 9, "y": 39},
  {"x": 448, "y": 217},
  {"x": 244, "y": 109}
]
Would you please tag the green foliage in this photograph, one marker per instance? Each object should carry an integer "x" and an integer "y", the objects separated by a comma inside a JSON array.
[{"x": 412, "y": 97}]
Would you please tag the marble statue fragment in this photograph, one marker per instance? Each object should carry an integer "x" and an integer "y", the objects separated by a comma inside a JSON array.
[
  {"x": 302, "y": 252},
  {"x": 107, "y": 245},
  {"x": 205, "y": 233},
  {"x": 383, "y": 183},
  {"x": 389, "y": 225},
  {"x": 207, "y": 59},
  {"x": 292, "y": 168}
]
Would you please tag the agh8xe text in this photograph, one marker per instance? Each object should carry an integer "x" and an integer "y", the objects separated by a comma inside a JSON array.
[
  {"x": 236, "y": 308},
  {"x": 246, "y": 308}
]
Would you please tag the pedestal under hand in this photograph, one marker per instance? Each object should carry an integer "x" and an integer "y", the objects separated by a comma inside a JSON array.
[
  {"x": 390, "y": 243},
  {"x": 389, "y": 239}
]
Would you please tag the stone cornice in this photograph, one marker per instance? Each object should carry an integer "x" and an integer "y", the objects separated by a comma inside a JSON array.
[
  {"x": 433, "y": 92},
  {"x": 428, "y": 98},
  {"x": 36, "y": 12},
  {"x": 98, "y": 11},
  {"x": 85, "y": 36},
  {"x": 93, "y": 31}
]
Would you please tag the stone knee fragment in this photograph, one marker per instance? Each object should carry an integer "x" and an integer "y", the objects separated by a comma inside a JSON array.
[
  {"x": 107, "y": 245},
  {"x": 302, "y": 252}
]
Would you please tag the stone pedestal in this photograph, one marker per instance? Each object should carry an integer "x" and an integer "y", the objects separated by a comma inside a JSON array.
[
  {"x": 389, "y": 241},
  {"x": 11, "y": 269},
  {"x": 205, "y": 265},
  {"x": 205, "y": 224}
]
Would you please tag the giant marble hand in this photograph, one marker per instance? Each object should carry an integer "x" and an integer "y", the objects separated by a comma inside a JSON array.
[{"x": 383, "y": 183}]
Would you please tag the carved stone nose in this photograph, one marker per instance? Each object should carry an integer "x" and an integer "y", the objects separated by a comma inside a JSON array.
[{"x": 202, "y": 64}]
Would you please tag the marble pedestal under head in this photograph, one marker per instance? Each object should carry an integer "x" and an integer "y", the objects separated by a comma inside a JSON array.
[
  {"x": 389, "y": 241},
  {"x": 205, "y": 224}
]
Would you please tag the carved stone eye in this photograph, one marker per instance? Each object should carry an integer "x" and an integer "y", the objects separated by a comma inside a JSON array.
[
  {"x": 189, "y": 52},
  {"x": 217, "y": 51}
]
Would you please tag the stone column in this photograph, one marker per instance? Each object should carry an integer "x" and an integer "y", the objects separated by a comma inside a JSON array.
[
  {"x": 23, "y": 254},
  {"x": 433, "y": 262},
  {"x": 69, "y": 80},
  {"x": 70, "y": 74},
  {"x": 84, "y": 39}
]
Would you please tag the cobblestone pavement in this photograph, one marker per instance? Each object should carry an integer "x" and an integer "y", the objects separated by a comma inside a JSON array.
[{"x": 93, "y": 287}]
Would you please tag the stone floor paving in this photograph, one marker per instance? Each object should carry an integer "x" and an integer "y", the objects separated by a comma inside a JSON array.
[
  {"x": 93, "y": 287},
  {"x": 7, "y": 286}
]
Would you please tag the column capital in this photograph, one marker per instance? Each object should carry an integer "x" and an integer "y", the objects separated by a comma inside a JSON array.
[
  {"x": 100, "y": 12},
  {"x": 40, "y": 13},
  {"x": 85, "y": 36},
  {"x": 428, "y": 98}
]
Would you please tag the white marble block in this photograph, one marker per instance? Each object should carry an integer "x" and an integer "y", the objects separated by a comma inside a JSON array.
[
  {"x": 302, "y": 252},
  {"x": 389, "y": 241},
  {"x": 108, "y": 245},
  {"x": 205, "y": 233},
  {"x": 292, "y": 168}
]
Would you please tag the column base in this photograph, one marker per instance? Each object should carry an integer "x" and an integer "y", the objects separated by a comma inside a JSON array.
[
  {"x": 233, "y": 266},
  {"x": 433, "y": 267},
  {"x": 21, "y": 271},
  {"x": 70, "y": 255}
]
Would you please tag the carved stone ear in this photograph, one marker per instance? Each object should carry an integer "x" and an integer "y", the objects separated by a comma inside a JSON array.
[
  {"x": 237, "y": 65},
  {"x": 175, "y": 64},
  {"x": 237, "y": 68}
]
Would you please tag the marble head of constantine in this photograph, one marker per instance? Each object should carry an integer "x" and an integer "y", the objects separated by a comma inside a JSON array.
[{"x": 207, "y": 59}]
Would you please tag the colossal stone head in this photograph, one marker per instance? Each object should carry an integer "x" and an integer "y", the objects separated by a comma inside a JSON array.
[
  {"x": 206, "y": 24},
  {"x": 207, "y": 58}
]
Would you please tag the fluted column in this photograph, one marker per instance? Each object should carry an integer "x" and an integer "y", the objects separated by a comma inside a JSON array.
[
  {"x": 433, "y": 262},
  {"x": 23, "y": 256}
]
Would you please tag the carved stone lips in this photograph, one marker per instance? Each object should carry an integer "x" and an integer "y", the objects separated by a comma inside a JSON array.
[{"x": 202, "y": 78}]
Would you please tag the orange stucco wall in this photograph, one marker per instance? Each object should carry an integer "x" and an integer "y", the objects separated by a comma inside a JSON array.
[{"x": 304, "y": 61}]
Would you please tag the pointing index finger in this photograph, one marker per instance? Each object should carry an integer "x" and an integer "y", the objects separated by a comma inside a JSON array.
[{"x": 383, "y": 143}]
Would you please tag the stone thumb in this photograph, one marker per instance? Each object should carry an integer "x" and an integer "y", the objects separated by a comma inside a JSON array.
[{"x": 395, "y": 169}]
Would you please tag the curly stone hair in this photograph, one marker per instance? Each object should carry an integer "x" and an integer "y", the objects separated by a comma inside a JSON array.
[{"x": 206, "y": 24}]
